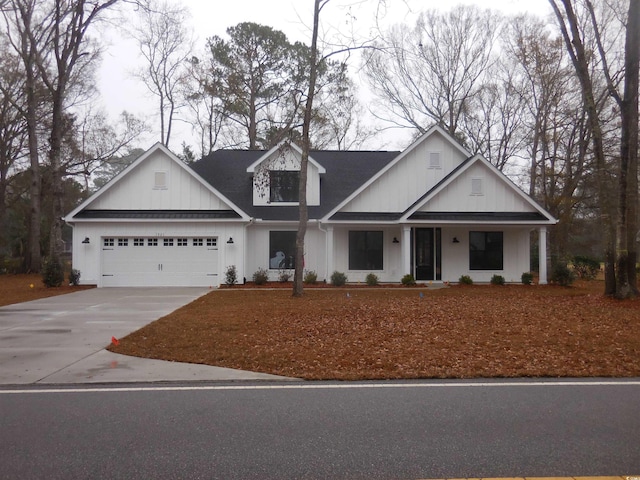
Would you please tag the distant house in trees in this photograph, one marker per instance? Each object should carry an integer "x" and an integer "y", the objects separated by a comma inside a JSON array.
[{"x": 433, "y": 210}]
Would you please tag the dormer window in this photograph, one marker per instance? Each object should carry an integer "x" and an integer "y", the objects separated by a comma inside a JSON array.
[{"x": 284, "y": 185}]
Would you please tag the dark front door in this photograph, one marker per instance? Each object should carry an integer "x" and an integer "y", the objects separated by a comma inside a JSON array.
[{"x": 427, "y": 253}]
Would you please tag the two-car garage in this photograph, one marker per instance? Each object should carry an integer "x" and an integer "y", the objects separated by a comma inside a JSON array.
[{"x": 159, "y": 261}]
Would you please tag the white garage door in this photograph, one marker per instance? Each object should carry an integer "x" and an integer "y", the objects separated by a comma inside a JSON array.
[{"x": 159, "y": 261}]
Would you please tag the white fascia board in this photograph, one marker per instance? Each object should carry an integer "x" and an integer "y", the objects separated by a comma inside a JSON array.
[
  {"x": 158, "y": 146},
  {"x": 252, "y": 168},
  {"x": 396, "y": 160}
]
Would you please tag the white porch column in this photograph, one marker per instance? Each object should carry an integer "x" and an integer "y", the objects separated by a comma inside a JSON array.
[
  {"x": 542, "y": 255},
  {"x": 329, "y": 262},
  {"x": 406, "y": 250}
]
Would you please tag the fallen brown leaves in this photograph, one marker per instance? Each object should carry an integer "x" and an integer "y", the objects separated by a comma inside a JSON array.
[
  {"x": 27, "y": 287},
  {"x": 458, "y": 332}
]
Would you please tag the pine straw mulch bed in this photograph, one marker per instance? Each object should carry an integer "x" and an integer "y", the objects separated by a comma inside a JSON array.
[
  {"x": 26, "y": 287},
  {"x": 375, "y": 333}
]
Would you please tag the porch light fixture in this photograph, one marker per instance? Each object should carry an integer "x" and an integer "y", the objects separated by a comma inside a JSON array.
[
  {"x": 230, "y": 241},
  {"x": 455, "y": 240},
  {"x": 395, "y": 240},
  {"x": 86, "y": 240}
]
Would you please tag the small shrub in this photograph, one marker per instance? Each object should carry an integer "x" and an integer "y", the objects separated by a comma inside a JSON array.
[
  {"x": 586, "y": 268},
  {"x": 562, "y": 275},
  {"x": 231, "y": 276},
  {"x": 527, "y": 278},
  {"x": 284, "y": 276},
  {"x": 310, "y": 277},
  {"x": 372, "y": 279},
  {"x": 497, "y": 280},
  {"x": 52, "y": 272},
  {"x": 408, "y": 280},
  {"x": 260, "y": 276},
  {"x": 74, "y": 277},
  {"x": 338, "y": 279},
  {"x": 465, "y": 280}
]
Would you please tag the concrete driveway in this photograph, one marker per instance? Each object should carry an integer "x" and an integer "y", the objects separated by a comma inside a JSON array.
[{"x": 62, "y": 339}]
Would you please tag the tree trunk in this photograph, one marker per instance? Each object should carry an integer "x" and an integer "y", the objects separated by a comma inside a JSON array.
[
  {"x": 298, "y": 288},
  {"x": 57, "y": 206},
  {"x": 628, "y": 181}
]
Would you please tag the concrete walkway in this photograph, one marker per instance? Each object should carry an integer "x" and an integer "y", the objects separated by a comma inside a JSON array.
[{"x": 62, "y": 340}]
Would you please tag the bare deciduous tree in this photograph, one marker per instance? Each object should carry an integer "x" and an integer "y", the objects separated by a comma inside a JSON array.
[
  {"x": 574, "y": 19},
  {"x": 430, "y": 73},
  {"x": 166, "y": 47}
]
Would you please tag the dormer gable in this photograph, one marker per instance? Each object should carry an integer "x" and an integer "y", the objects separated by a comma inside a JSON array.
[{"x": 276, "y": 176}]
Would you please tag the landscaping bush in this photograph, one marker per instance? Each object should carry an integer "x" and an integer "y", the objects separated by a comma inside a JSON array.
[
  {"x": 562, "y": 275},
  {"x": 284, "y": 276},
  {"x": 74, "y": 277},
  {"x": 338, "y": 279},
  {"x": 310, "y": 277},
  {"x": 52, "y": 272},
  {"x": 497, "y": 280},
  {"x": 231, "y": 276},
  {"x": 586, "y": 268},
  {"x": 465, "y": 280},
  {"x": 408, "y": 280},
  {"x": 260, "y": 276},
  {"x": 527, "y": 278},
  {"x": 372, "y": 279}
]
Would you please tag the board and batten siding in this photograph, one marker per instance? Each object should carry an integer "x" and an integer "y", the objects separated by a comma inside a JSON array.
[
  {"x": 138, "y": 189},
  {"x": 409, "y": 179},
  {"x": 496, "y": 195}
]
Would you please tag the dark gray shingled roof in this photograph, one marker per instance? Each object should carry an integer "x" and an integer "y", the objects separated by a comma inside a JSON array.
[
  {"x": 479, "y": 216},
  {"x": 158, "y": 214},
  {"x": 346, "y": 171}
]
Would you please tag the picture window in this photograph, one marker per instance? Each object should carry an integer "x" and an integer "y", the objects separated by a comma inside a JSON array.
[
  {"x": 282, "y": 249},
  {"x": 485, "y": 250},
  {"x": 365, "y": 250},
  {"x": 284, "y": 185}
]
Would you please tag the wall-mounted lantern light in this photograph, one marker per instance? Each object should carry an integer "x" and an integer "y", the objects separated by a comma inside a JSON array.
[
  {"x": 455, "y": 240},
  {"x": 230, "y": 241},
  {"x": 395, "y": 240},
  {"x": 86, "y": 240}
]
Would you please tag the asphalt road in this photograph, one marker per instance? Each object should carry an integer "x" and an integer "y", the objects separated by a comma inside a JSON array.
[{"x": 382, "y": 430}]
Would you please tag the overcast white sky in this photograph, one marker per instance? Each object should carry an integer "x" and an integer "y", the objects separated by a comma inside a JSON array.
[{"x": 120, "y": 91}]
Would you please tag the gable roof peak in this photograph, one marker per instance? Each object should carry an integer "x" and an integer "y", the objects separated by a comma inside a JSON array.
[{"x": 281, "y": 146}]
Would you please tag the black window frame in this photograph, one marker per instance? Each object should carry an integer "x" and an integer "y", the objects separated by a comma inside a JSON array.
[
  {"x": 486, "y": 250},
  {"x": 284, "y": 186},
  {"x": 366, "y": 250},
  {"x": 282, "y": 242}
]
